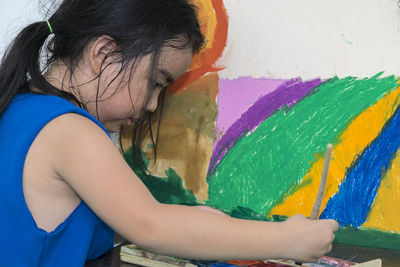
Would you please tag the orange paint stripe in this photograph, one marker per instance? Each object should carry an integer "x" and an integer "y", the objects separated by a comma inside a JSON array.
[{"x": 208, "y": 59}]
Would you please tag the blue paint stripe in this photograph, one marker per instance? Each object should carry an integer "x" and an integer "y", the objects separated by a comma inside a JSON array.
[{"x": 356, "y": 194}]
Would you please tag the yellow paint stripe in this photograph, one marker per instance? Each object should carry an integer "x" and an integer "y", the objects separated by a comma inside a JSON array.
[
  {"x": 207, "y": 18},
  {"x": 208, "y": 24},
  {"x": 351, "y": 143},
  {"x": 385, "y": 212}
]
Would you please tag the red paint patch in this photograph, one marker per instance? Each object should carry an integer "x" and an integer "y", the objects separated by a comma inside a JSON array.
[{"x": 210, "y": 57}]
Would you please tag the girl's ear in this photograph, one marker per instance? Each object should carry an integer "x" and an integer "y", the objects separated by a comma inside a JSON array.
[{"x": 100, "y": 48}]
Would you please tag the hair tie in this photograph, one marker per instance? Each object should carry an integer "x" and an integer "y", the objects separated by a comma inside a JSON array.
[{"x": 50, "y": 28}]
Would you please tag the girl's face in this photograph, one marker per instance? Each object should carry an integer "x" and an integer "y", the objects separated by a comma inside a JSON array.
[{"x": 122, "y": 102}]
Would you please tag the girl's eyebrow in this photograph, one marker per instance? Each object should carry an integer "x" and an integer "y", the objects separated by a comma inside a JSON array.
[{"x": 168, "y": 77}]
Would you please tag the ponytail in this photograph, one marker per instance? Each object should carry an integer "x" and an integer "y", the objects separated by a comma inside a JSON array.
[{"x": 20, "y": 68}]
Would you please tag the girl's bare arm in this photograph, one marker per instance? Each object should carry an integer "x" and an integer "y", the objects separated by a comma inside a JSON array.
[{"x": 84, "y": 156}]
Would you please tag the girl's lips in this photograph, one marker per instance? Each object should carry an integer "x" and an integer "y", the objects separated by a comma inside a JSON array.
[{"x": 128, "y": 121}]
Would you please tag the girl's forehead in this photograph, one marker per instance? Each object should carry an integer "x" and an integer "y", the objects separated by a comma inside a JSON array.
[
  {"x": 172, "y": 55},
  {"x": 175, "y": 61}
]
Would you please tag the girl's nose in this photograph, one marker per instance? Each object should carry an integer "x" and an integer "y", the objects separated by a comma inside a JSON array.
[{"x": 152, "y": 106}]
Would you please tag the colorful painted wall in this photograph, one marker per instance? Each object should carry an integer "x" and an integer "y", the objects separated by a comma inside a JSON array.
[{"x": 245, "y": 130}]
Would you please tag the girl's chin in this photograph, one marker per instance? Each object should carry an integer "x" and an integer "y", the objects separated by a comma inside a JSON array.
[
  {"x": 116, "y": 126},
  {"x": 113, "y": 127}
]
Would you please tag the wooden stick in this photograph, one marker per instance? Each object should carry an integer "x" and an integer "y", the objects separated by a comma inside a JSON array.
[{"x": 318, "y": 201}]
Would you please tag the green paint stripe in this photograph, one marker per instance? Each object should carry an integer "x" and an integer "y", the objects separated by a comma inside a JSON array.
[
  {"x": 368, "y": 238},
  {"x": 347, "y": 235},
  {"x": 264, "y": 165}
]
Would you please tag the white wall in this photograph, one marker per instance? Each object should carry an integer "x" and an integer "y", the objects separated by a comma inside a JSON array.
[
  {"x": 286, "y": 38},
  {"x": 312, "y": 38},
  {"x": 14, "y": 15}
]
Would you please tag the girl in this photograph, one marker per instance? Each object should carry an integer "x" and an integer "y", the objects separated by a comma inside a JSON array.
[{"x": 64, "y": 185}]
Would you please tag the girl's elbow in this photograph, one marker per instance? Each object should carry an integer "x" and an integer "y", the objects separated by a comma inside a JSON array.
[{"x": 147, "y": 230}]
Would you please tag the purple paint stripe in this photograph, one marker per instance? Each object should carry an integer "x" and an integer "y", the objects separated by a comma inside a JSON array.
[
  {"x": 240, "y": 93},
  {"x": 288, "y": 94}
]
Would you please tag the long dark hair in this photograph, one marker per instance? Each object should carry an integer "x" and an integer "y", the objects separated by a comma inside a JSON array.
[{"x": 138, "y": 28}]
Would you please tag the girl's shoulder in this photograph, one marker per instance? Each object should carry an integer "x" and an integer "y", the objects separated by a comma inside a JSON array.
[
  {"x": 39, "y": 106},
  {"x": 31, "y": 101},
  {"x": 31, "y": 109}
]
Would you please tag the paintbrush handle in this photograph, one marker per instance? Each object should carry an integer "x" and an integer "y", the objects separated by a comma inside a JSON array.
[{"x": 318, "y": 201}]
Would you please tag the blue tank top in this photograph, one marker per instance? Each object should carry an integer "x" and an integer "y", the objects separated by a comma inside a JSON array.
[{"x": 82, "y": 236}]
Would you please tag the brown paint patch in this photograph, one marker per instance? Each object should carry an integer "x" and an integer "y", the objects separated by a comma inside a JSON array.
[{"x": 186, "y": 135}]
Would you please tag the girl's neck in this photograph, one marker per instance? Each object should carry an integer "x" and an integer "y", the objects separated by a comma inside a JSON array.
[{"x": 60, "y": 77}]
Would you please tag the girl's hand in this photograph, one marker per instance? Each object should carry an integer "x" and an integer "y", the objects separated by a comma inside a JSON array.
[{"x": 306, "y": 240}]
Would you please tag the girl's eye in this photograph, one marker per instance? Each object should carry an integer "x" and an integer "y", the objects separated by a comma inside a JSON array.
[{"x": 157, "y": 85}]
